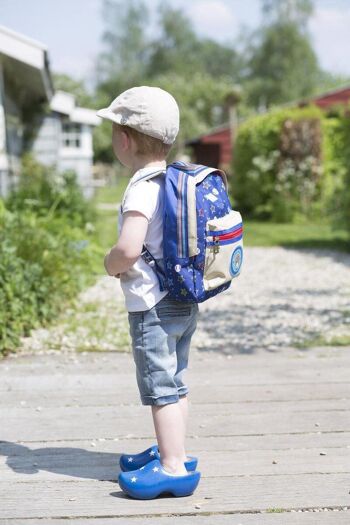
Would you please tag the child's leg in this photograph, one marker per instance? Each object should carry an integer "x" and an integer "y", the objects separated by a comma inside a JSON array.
[
  {"x": 170, "y": 431},
  {"x": 161, "y": 338},
  {"x": 183, "y": 403}
]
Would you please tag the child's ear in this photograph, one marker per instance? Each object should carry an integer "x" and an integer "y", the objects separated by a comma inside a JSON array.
[{"x": 126, "y": 142}]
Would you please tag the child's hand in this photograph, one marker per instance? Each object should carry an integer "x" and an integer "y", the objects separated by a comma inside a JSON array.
[{"x": 117, "y": 275}]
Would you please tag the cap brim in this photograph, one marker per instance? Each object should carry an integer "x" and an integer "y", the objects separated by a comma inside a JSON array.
[{"x": 109, "y": 115}]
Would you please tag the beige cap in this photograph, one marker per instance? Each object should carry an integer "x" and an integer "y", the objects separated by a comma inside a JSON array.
[{"x": 150, "y": 110}]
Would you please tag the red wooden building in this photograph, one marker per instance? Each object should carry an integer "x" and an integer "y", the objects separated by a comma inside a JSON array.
[{"x": 215, "y": 147}]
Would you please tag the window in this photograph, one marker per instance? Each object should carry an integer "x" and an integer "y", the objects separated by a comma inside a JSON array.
[{"x": 71, "y": 135}]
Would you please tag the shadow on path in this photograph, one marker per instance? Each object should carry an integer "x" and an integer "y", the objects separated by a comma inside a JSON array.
[{"x": 68, "y": 461}]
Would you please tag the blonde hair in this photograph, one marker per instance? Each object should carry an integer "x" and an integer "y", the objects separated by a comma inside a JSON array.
[{"x": 146, "y": 145}]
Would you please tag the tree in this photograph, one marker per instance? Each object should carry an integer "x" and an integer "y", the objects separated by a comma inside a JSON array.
[
  {"x": 219, "y": 60},
  {"x": 179, "y": 49},
  {"x": 198, "y": 72},
  {"x": 125, "y": 41},
  {"x": 77, "y": 88},
  {"x": 175, "y": 47},
  {"x": 282, "y": 64},
  {"x": 201, "y": 101},
  {"x": 294, "y": 11}
]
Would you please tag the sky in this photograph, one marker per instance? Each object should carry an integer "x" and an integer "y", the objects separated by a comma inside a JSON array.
[{"x": 72, "y": 29}]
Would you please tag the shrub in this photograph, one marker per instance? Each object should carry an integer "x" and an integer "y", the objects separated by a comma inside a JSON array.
[
  {"x": 337, "y": 167},
  {"x": 42, "y": 267},
  {"x": 48, "y": 193},
  {"x": 46, "y": 253},
  {"x": 277, "y": 165},
  {"x": 18, "y": 304}
]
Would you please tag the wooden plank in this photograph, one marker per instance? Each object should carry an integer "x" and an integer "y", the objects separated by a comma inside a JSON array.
[
  {"x": 205, "y": 407},
  {"x": 228, "y": 367},
  {"x": 22, "y": 363},
  {"x": 195, "y": 446},
  {"x": 107, "y": 359},
  {"x": 228, "y": 494},
  {"x": 291, "y": 408},
  {"x": 60, "y": 382},
  {"x": 227, "y": 372},
  {"x": 117, "y": 395},
  {"x": 62, "y": 462},
  {"x": 99, "y": 422},
  {"x": 109, "y": 363},
  {"x": 271, "y": 518}
]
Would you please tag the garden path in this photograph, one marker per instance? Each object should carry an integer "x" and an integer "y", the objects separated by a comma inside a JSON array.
[{"x": 269, "y": 422}]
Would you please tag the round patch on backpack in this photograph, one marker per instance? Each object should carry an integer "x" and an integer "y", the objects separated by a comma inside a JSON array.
[{"x": 236, "y": 261}]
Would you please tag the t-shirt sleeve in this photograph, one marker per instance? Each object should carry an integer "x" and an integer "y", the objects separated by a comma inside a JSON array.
[{"x": 142, "y": 197}]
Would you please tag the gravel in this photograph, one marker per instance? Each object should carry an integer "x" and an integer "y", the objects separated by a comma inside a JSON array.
[{"x": 283, "y": 297}]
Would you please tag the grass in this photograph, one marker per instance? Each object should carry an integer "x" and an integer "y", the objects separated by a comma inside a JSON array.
[
  {"x": 107, "y": 219},
  {"x": 87, "y": 326},
  {"x": 308, "y": 235},
  {"x": 112, "y": 193},
  {"x": 303, "y": 235},
  {"x": 340, "y": 340},
  {"x": 106, "y": 228},
  {"x": 106, "y": 225}
]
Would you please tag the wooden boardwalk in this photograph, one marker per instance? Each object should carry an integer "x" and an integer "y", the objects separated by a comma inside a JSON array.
[{"x": 271, "y": 430}]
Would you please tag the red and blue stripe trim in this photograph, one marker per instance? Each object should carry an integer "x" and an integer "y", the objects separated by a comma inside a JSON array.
[{"x": 182, "y": 234}]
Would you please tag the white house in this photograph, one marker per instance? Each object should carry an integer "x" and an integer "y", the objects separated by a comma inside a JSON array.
[
  {"x": 33, "y": 117},
  {"x": 64, "y": 138}
]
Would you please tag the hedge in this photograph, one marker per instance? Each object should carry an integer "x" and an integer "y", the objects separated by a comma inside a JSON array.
[{"x": 293, "y": 163}]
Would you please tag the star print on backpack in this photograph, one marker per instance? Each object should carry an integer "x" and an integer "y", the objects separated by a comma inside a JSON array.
[{"x": 202, "y": 234}]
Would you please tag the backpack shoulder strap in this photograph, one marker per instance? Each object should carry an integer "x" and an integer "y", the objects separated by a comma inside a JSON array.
[
  {"x": 189, "y": 176},
  {"x": 192, "y": 207},
  {"x": 133, "y": 181}
]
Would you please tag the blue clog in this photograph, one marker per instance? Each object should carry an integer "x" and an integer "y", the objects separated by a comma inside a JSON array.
[
  {"x": 130, "y": 462},
  {"x": 152, "y": 479}
]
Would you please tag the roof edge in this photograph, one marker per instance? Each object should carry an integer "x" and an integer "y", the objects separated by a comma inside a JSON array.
[{"x": 23, "y": 38}]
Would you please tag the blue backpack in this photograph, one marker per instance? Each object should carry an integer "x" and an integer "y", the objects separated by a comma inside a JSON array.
[{"x": 202, "y": 235}]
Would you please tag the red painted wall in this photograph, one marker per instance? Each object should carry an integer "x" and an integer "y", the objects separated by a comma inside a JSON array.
[{"x": 222, "y": 137}]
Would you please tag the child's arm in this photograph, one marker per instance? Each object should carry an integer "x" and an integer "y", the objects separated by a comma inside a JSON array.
[{"x": 129, "y": 246}]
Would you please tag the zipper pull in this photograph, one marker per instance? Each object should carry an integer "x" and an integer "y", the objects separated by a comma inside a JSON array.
[{"x": 216, "y": 241}]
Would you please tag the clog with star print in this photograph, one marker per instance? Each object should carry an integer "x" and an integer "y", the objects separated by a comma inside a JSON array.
[
  {"x": 130, "y": 462},
  {"x": 152, "y": 479}
]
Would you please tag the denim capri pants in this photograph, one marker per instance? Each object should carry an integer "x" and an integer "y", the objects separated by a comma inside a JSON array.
[{"x": 161, "y": 340}]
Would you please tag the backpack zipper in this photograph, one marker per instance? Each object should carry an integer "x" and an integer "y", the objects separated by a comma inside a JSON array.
[{"x": 224, "y": 238}]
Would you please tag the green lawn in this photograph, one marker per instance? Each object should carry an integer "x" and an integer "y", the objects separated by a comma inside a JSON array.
[
  {"x": 106, "y": 224},
  {"x": 308, "y": 235},
  {"x": 111, "y": 193}
]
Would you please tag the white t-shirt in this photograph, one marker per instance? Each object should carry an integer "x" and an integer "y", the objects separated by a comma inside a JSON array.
[{"x": 140, "y": 283}]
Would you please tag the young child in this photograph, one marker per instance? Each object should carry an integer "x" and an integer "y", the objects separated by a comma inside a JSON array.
[{"x": 145, "y": 124}]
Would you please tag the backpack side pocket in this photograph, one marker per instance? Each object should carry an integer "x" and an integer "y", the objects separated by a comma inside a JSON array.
[{"x": 223, "y": 251}]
